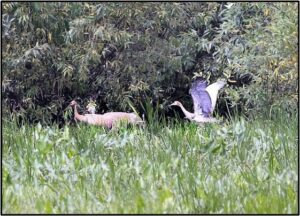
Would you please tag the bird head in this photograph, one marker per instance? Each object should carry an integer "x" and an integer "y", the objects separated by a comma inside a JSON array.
[
  {"x": 175, "y": 103},
  {"x": 73, "y": 103}
]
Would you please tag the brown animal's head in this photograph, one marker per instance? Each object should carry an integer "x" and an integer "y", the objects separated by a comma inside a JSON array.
[
  {"x": 91, "y": 110},
  {"x": 73, "y": 103},
  {"x": 175, "y": 103}
]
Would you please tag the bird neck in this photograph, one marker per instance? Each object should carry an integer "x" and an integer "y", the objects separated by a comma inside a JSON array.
[
  {"x": 187, "y": 114},
  {"x": 77, "y": 115}
]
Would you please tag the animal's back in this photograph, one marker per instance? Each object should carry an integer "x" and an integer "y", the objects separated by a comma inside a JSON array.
[
  {"x": 123, "y": 117},
  {"x": 96, "y": 119},
  {"x": 117, "y": 115}
]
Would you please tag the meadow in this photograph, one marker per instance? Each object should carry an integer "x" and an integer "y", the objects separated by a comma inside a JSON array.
[{"x": 239, "y": 166}]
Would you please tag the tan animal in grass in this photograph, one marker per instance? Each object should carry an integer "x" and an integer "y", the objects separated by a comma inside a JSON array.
[
  {"x": 92, "y": 119},
  {"x": 119, "y": 117},
  {"x": 108, "y": 120}
]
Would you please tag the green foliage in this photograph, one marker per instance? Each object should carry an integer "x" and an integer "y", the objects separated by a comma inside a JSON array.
[
  {"x": 239, "y": 167},
  {"x": 115, "y": 52},
  {"x": 259, "y": 42}
]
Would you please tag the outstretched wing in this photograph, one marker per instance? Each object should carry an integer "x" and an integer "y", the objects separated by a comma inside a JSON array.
[
  {"x": 201, "y": 98},
  {"x": 213, "y": 90}
]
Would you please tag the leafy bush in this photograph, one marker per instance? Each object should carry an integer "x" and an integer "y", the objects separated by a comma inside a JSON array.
[{"x": 118, "y": 53}]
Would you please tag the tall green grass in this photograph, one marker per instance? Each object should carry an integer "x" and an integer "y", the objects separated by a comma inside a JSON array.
[{"x": 168, "y": 167}]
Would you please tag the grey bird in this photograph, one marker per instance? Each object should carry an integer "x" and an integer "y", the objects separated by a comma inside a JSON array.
[{"x": 204, "y": 100}]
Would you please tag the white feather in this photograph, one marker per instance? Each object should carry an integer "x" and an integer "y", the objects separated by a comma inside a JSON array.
[{"x": 213, "y": 90}]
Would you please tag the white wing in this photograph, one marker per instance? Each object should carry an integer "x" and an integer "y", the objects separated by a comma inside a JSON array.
[{"x": 213, "y": 90}]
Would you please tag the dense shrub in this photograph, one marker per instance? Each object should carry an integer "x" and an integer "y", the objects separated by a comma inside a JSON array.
[{"x": 116, "y": 53}]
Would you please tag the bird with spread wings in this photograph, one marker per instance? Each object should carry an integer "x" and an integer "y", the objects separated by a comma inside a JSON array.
[{"x": 204, "y": 100}]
